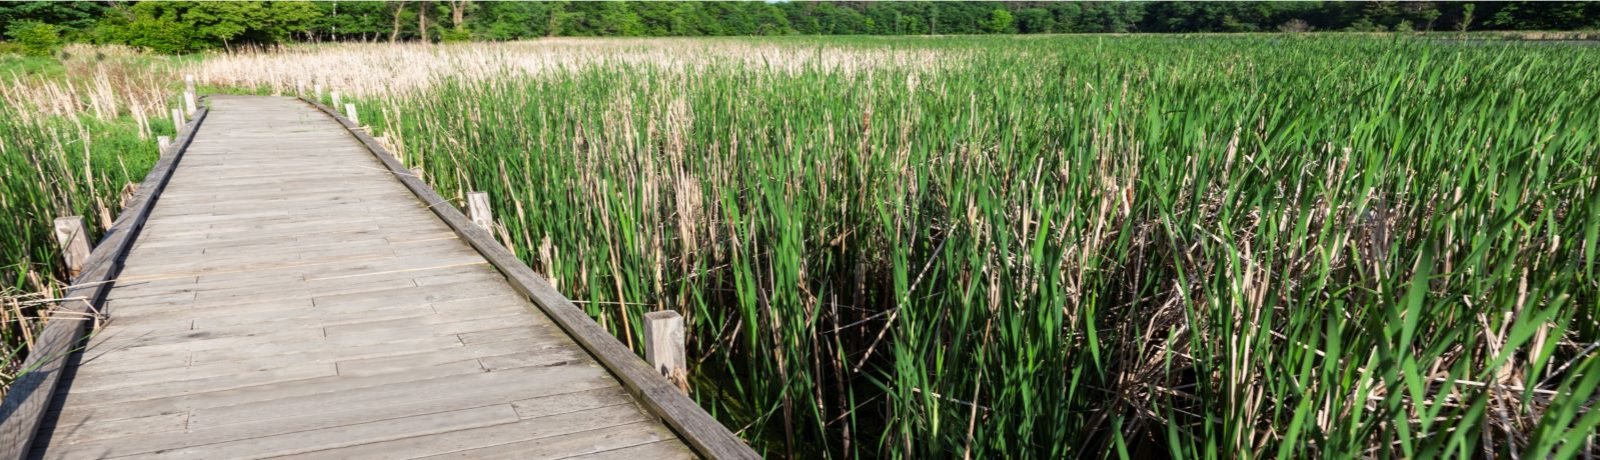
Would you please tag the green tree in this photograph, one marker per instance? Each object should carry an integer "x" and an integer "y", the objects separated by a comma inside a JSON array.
[
  {"x": 288, "y": 19},
  {"x": 561, "y": 20},
  {"x": 511, "y": 20},
  {"x": 36, "y": 38},
  {"x": 618, "y": 19},
  {"x": 223, "y": 22},
  {"x": 1036, "y": 21},
  {"x": 1466, "y": 17},
  {"x": 158, "y": 33},
  {"x": 359, "y": 20},
  {"x": 1000, "y": 22},
  {"x": 69, "y": 18}
]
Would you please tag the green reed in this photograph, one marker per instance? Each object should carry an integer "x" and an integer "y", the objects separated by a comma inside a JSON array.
[
  {"x": 56, "y": 166},
  {"x": 1197, "y": 247}
]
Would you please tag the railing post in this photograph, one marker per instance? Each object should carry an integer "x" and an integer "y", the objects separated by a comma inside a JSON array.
[
  {"x": 128, "y": 192},
  {"x": 663, "y": 346},
  {"x": 164, "y": 143},
  {"x": 190, "y": 99},
  {"x": 177, "y": 119},
  {"x": 350, "y": 112},
  {"x": 74, "y": 239},
  {"x": 318, "y": 87},
  {"x": 478, "y": 210},
  {"x": 336, "y": 99}
]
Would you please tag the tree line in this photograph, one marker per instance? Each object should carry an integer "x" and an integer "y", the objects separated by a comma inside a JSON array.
[{"x": 181, "y": 26}]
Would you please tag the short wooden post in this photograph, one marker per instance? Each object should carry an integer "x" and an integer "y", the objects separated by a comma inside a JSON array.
[
  {"x": 318, "y": 87},
  {"x": 350, "y": 112},
  {"x": 416, "y": 171},
  {"x": 336, "y": 99},
  {"x": 74, "y": 239},
  {"x": 190, "y": 99},
  {"x": 478, "y": 210},
  {"x": 164, "y": 143},
  {"x": 177, "y": 119},
  {"x": 663, "y": 346},
  {"x": 128, "y": 192}
]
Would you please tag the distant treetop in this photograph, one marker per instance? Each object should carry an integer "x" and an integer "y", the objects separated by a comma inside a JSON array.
[{"x": 182, "y": 26}]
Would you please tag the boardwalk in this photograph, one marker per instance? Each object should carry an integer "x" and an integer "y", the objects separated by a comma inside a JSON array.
[{"x": 289, "y": 296}]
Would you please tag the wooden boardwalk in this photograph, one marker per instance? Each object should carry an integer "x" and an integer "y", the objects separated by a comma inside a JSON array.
[{"x": 289, "y": 296}]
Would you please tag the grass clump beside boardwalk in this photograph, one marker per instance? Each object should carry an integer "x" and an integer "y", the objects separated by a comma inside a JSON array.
[
  {"x": 75, "y": 133},
  {"x": 1215, "y": 247}
]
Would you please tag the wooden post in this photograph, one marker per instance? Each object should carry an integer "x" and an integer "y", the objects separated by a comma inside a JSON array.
[
  {"x": 663, "y": 346},
  {"x": 335, "y": 96},
  {"x": 177, "y": 119},
  {"x": 319, "y": 92},
  {"x": 417, "y": 171},
  {"x": 478, "y": 209},
  {"x": 164, "y": 142},
  {"x": 128, "y": 192},
  {"x": 74, "y": 239},
  {"x": 350, "y": 112},
  {"x": 190, "y": 99}
]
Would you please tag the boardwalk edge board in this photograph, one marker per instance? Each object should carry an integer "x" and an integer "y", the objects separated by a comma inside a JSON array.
[
  {"x": 698, "y": 429},
  {"x": 31, "y": 395}
]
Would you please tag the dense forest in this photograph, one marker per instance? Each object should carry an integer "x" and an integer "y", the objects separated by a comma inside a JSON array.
[{"x": 178, "y": 27}]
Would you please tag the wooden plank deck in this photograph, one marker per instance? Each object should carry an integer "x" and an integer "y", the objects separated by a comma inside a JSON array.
[{"x": 289, "y": 297}]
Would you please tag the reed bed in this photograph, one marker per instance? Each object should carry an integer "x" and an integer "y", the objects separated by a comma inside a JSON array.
[
  {"x": 1190, "y": 247},
  {"x": 73, "y": 141},
  {"x": 383, "y": 70}
]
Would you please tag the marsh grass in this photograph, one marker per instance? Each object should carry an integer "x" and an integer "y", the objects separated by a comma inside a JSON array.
[
  {"x": 1195, "y": 247},
  {"x": 75, "y": 132}
]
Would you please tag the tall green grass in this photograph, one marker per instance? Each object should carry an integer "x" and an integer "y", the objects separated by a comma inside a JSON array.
[
  {"x": 1219, "y": 247},
  {"x": 73, "y": 140}
]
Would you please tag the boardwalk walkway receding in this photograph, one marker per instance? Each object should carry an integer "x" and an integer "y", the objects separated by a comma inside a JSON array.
[{"x": 289, "y": 296}]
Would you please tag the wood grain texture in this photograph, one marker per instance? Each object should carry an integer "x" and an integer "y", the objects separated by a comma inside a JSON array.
[
  {"x": 73, "y": 237},
  {"x": 31, "y": 394},
  {"x": 663, "y": 346},
  {"x": 289, "y": 295},
  {"x": 478, "y": 209},
  {"x": 704, "y": 434}
]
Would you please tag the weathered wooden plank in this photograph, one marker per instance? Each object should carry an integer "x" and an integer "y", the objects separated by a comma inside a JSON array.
[
  {"x": 490, "y": 436},
  {"x": 402, "y": 352},
  {"x": 95, "y": 430},
  {"x": 262, "y": 393},
  {"x": 154, "y": 367},
  {"x": 420, "y": 294},
  {"x": 186, "y": 387},
  {"x": 557, "y": 350},
  {"x": 537, "y": 381},
  {"x": 157, "y": 330},
  {"x": 567, "y": 445},
  {"x": 330, "y": 418},
  {"x": 576, "y": 401},
  {"x": 296, "y": 442},
  {"x": 498, "y": 335},
  {"x": 663, "y": 450},
  {"x": 203, "y": 341},
  {"x": 122, "y": 311}
]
